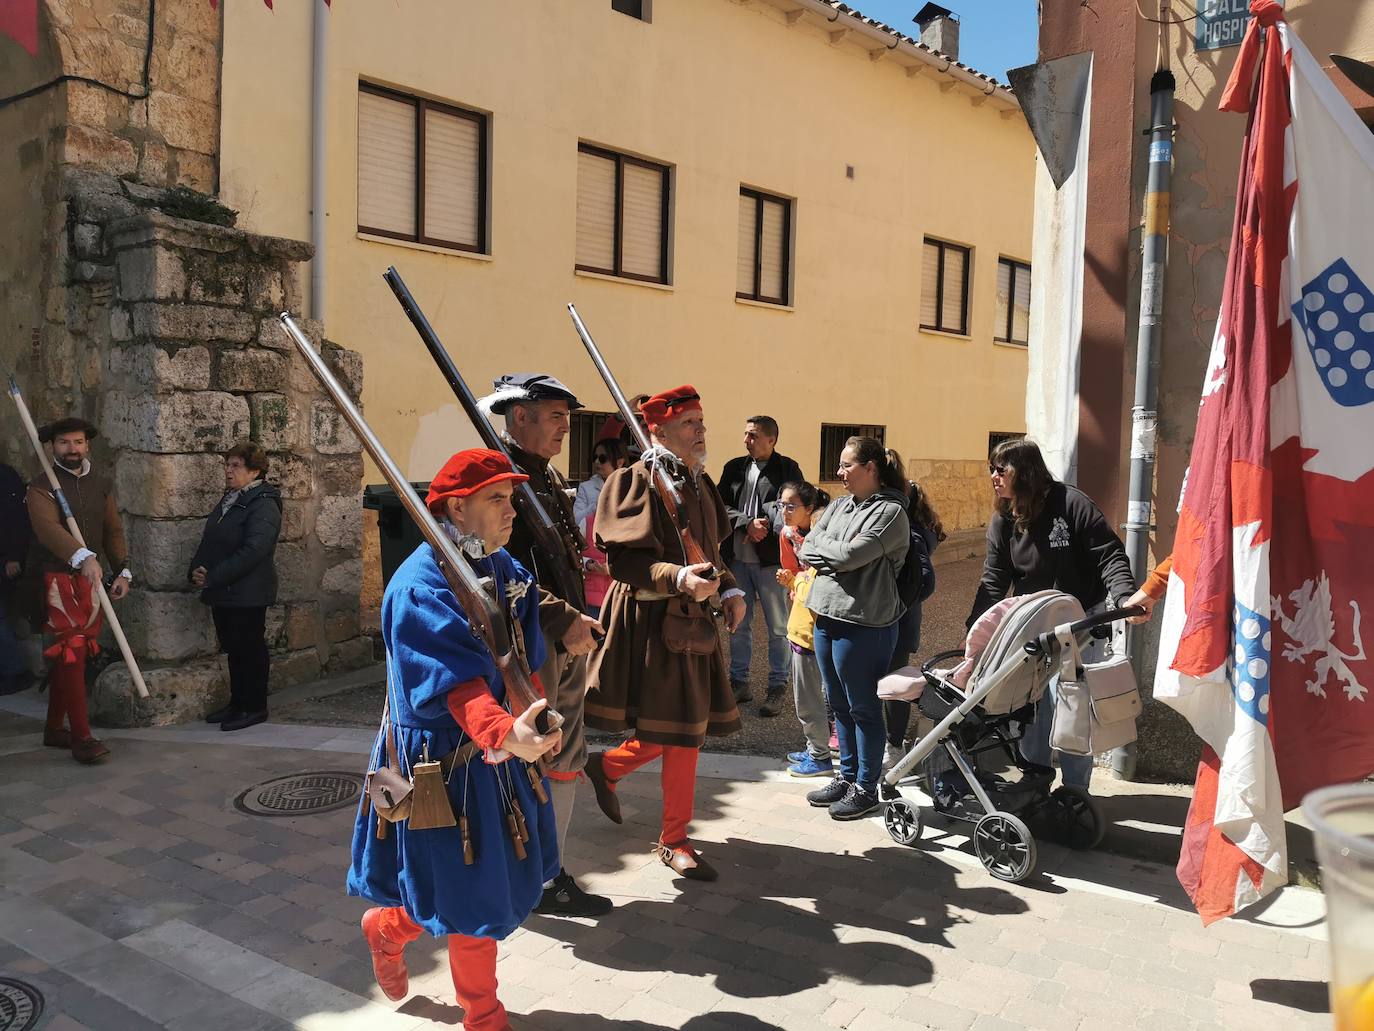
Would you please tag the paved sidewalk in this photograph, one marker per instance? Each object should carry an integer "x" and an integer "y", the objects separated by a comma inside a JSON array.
[{"x": 135, "y": 895}]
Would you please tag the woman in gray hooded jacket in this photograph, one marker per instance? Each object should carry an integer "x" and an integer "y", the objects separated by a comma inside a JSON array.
[{"x": 858, "y": 547}]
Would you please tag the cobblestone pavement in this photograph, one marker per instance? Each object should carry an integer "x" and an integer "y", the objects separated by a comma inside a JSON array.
[{"x": 135, "y": 895}]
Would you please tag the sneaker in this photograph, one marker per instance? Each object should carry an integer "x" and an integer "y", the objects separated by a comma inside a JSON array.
[
  {"x": 810, "y": 766},
  {"x": 834, "y": 741},
  {"x": 565, "y": 898},
  {"x": 796, "y": 757},
  {"x": 892, "y": 755},
  {"x": 830, "y": 794},
  {"x": 772, "y": 702},
  {"x": 740, "y": 689},
  {"x": 856, "y": 803}
]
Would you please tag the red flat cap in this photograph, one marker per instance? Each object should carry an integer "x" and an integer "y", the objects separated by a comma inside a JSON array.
[
  {"x": 670, "y": 404},
  {"x": 466, "y": 473}
]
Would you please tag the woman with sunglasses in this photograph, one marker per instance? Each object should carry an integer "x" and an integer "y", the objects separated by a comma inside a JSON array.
[
  {"x": 1046, "y": 535},
  {"x": 608, "y": 456}
]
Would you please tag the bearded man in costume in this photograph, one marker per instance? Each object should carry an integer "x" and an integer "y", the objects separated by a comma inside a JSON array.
[
  {"x": 65, "y": 575},
  {"x": 660, "y": 672},
  {"x": 478, "y": 881}
]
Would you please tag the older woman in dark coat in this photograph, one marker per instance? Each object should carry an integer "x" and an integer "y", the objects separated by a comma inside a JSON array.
[{"x": 233, "y": 568}]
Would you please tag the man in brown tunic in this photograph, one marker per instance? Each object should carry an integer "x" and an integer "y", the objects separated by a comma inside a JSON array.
[
  {"x": 660, "y": 671},
  {"x": 537, "y": 411},
  {"x": 66, "y": 573}
]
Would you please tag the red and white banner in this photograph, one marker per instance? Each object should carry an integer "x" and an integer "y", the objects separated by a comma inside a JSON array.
[{"x": 1262, "y": 648}]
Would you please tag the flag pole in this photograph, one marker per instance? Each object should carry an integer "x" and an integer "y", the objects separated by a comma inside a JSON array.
[{"x": 134, "y": 673}]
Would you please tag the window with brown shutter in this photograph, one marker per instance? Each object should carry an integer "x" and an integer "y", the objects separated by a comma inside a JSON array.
[
  {"x": 622, "y": 215},
  {"x": 422, "y": 170},
  {"x": 1013, "y": 301},
  {"x": 763, "y": 268},
  {"x": 944, "y": 287}
]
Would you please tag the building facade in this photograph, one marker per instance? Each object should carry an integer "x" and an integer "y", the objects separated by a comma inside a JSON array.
[{"x": 799, "y": 211}]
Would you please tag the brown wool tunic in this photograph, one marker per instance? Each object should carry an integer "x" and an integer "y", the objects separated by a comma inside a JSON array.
[
  {"x": 93, "y": 504},
  {"x": 636, "y": 682}
]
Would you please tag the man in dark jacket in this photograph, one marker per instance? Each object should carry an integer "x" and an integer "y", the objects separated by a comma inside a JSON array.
[
  {"x": 14, "y": 545},
  {"x": 237, "y": 578},
  {"x": 537, "y": 410},
  {"x": 749, "y": 486}
]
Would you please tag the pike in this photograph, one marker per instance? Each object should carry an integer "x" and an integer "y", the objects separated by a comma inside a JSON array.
[
  {"x": 668, "y": 490},
  {"x": 135, "y": 674},
  {"x": 527, "y": 503},
  {"x": 484, "y": 617}
]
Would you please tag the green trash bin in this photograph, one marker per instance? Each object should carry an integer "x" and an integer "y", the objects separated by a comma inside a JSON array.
[{"x": 396, "y": 531}]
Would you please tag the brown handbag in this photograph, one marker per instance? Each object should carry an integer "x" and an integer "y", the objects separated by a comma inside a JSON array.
[
  {"x": 389, "y": 791},
  {"x": 688, "y": 629}
]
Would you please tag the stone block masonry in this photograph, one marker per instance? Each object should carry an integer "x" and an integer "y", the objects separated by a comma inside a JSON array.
[{"x": 167, "y": 337}]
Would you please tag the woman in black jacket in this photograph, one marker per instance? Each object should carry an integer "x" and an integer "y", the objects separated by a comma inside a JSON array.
[
  {"x": 1047, "y": 535},
  {"x": 233, "y": 568}
]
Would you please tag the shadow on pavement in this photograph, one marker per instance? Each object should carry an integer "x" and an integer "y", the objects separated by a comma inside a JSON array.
[{"x": 718, "y": 1021}]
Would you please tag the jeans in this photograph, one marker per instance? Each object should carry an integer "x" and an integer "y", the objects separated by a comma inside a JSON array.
[
  {"x": 13, "y": 662},
  {"x": 241, "y": 639},
  {"x": 1077, "y": 770},
  {"x": 763, "y": 582},
  {"x": 809, "y": 694},
  {"x": 853, "y": 659}
]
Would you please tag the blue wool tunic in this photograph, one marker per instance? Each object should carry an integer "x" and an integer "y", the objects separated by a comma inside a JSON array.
[{"x": 431, "y": 650}]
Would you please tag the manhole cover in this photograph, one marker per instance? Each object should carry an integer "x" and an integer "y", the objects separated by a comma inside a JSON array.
[
  {"x": 20, "y": 1005},
  {"x": 300, "y": 793}
]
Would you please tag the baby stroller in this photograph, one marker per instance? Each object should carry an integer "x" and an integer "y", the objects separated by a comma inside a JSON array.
[{"x": 981, "y": 700}]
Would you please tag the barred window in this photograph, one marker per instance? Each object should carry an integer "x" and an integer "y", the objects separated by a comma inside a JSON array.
[
  {"x": 422, "y": 170},
  {"x": 833, "y": 436}
]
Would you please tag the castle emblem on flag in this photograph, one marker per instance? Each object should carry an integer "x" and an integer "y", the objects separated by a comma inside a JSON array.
[{"x": 1336, "y": 315}]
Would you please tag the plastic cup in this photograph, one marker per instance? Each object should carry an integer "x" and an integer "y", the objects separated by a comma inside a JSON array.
[{"x": 1342, "y": 821}]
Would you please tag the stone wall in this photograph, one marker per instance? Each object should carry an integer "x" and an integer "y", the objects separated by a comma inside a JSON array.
[{"x": 168, "y": 334}]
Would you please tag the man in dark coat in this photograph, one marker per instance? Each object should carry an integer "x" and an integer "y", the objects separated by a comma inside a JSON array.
[
  {"x": 234, "y": 569},
  {"x": 660, "y": 672},
  {"x": 15, "y": 674},
  {"x": 749, "y": 486},
  {"x": 537, "y": 410},
  {"x": 65, "y": 573}
]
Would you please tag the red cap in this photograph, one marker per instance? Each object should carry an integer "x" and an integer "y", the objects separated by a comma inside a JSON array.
[
  {"x": 466, "y": 473},
  {"x": 664, "y": 407}
]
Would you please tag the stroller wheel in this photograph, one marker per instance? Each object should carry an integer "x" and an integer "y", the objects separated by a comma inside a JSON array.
[
  {"x": 903, "y": 821},
  {"x": 1076, "y": 818},
  {"x": 1004, "y": 846}
]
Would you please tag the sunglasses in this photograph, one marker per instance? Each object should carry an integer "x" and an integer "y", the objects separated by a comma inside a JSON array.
[{"x": 600, "y": 457}]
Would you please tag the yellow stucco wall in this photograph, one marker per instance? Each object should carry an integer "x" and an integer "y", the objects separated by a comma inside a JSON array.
[{"x": 727, "y": 94}]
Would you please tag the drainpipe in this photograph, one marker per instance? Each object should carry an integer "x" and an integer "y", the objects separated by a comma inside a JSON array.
[
  {"x": 319, "y": 54},
  {"x": 1144, "y": 414}
]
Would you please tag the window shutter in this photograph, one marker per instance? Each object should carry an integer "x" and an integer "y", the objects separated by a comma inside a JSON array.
[
  {"x": 1020, "y": 312},
  {"x": 1003, "y": 300},
  {"x": 595, "y": 211},
  {"x": 386, "y": 164},
  {"x": 951, "y": 304},
  {"x": 452, "y": 178},
  {"x": 748, "y": 229},
  {"x": 771, "y": 283},
  {"x": 642, "y": 225},
  {"x": 930, "y": 280}
]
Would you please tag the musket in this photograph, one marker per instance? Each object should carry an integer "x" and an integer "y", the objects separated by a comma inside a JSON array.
[
  {"x": 669, "y": 492},
  {"x": 484, "y": 616},
  {"x": 135, "y": 674},
  {"x": 527, "y": 504}
]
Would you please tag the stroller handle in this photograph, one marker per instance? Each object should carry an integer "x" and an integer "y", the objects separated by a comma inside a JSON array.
[{"x": 1090, "y": 623}]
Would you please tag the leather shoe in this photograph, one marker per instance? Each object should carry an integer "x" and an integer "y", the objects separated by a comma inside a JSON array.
[
  {"x": 240, "y": 720},
  {"x": 388, "y": 965},
  {"x": 604, "y": 787},
  {"x": 741, "y": 690},
  {"x": 89, "y": 751},
  {"x": 59, "y": 738},
  {"x": 683, "y": 860},
  {"x": 565, "y": 898},
  {"x": 220, "y": 715}
]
